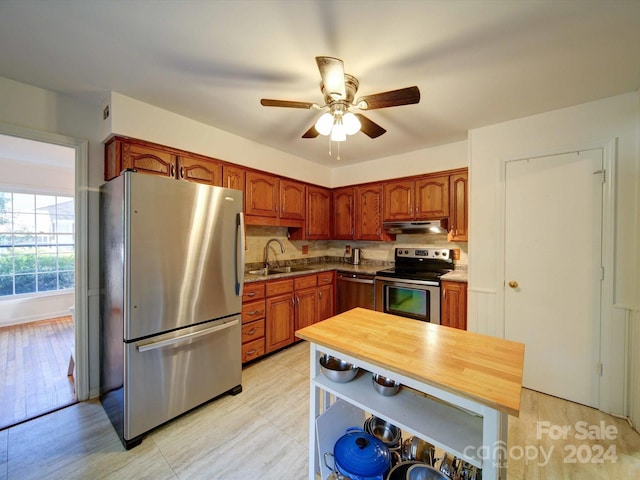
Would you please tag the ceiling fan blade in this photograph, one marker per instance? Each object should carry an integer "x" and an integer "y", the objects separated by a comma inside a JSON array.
[
  {"x": 392, "y": 98},
  {"x": 267, "y": 102},
  {"x": 369, "y": 127},
  {"x": 311, "y": 133},
  {"x": 332, "y": 73}
]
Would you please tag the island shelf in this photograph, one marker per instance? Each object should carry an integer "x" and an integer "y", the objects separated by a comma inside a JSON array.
[{"x": 464, "y": 420}]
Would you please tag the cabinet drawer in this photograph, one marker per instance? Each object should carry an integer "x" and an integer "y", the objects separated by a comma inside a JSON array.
[
  {"x": 325, "y": 278},
  {"x": 305, "y": 282},
  {"x": 252, "y": 291},
  {"x": 279, "y": 287},
  {"x": 253, "y": 331},
  {"x": 253, "y": 311},
  {"x": 252, "y": 350}
]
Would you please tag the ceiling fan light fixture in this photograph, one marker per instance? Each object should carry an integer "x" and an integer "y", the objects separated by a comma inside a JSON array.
[
  {"x": 338, "y": 132},
  {"x": 324, "y": 124},
  {"x": 351, "y": 123}
]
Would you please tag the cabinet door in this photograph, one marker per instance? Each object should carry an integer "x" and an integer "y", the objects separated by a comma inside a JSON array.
[
  {"x": 306, "y": 307},
  {"x": 454, "y": 305},
  {"x": 369, "y": 213},
  {"x": 147, "y": 159},
  {"x": 279, "y": 325},
  {"x": 200, "y": 170},
  {"x": 318, "y": 213},
  {"x": 399, "y": 200},
  {"x": 326, "y": 304},
  {"x": 262, "y": 194},
  {"x": 233, "y": 177},
  {"x": 343, "y": 213},
  {"x": 292, "y": 199},
  {"x": 459, "y": 207},
  {"x": 432, "y": 197}
]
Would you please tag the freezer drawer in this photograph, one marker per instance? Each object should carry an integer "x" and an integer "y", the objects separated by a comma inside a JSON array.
[{"x": 172, "y": 373}]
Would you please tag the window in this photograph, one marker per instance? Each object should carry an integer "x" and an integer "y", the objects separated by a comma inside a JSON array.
[{"x": 36, "y": 243}]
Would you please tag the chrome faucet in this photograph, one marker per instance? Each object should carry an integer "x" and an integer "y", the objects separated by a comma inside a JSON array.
[{"x": 266, "y": 251}]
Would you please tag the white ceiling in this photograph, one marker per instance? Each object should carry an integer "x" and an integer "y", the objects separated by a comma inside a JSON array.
[{"x": 476, "y": 62}]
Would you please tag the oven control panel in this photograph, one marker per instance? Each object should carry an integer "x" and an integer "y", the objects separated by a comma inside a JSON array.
[{"x": 439, "y": 253}]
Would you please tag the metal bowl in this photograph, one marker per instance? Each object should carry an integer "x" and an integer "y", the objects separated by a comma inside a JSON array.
[
  {"x": 425, "y": 472},
  {"x": 385, "y": 431},
  {"x": 337, "y": 370},
  {"x": 385, "y": 385}
]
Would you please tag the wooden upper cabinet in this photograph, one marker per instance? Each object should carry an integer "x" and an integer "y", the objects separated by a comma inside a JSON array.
[
  {"x": 432, "y": 197},
  {"x": 147, "y": 159},
  {"x": 459, "y": 207},
  {"x": 292, "y": 199},
  {"x": 262, "y": 195},
  {"x": 368, "y": 217},
  {"x": 233, "y": 177},
  {"x": 200, "y": 170},
  {"x": 343, "y": 213},
  {"x": 399, "y": 200},
  {"x": 318, "y": 213}
]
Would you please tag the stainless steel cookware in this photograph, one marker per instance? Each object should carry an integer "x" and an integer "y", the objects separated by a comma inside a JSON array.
[{"x": 337, "y": 370}]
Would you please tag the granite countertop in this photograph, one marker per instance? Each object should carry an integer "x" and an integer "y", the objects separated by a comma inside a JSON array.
[
  {"x": 458, "y": 275},
  {"x": 311, "y": 268}
]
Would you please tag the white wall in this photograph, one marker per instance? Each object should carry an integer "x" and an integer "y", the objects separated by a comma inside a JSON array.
[
  {"x": 133, "y": 118},
  {"x": 434, "y": 159},
  {"x": 583, "y": 126}
]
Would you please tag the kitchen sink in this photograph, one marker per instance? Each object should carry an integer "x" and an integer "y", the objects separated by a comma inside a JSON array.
[{"x": 276, "y": 270}]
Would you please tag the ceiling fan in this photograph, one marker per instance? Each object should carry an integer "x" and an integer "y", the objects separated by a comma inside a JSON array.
[{"x": 339, "y": 90}]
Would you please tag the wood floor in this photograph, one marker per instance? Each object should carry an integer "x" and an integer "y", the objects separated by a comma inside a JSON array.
[
  {"x": 34, "y": 362},
  {"x": 262, "y": 434}
]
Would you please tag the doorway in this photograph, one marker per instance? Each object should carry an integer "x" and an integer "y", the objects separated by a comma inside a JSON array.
[
  {"x": 42, "y": 238},
  {"x": 553, "y": 271}
]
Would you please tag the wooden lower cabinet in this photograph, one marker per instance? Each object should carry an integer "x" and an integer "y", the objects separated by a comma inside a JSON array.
[
  {"x": 279, "y": 329},
  {"x": 253, "y": 321},
  {"x": 326, "y": 295},
  {"x": 273, "y": 310},
  {"x": 453, "y": 307}
]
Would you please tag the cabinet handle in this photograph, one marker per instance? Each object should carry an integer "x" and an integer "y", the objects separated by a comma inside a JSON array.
[
  {"x": 181, "y": 172},
  {"x": 173, "y": 171},
  {"x": 320, "y": 294},
  {"x": 251, "y": 352},
  {"x": 253, "y": 312},
  {"x": 251, "y": 294},
  {"x": 444, "y": 294},
  {"x": 252, "y": 331}
]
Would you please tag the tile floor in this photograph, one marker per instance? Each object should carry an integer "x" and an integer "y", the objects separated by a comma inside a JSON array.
[{"x": 262, "y": 434}]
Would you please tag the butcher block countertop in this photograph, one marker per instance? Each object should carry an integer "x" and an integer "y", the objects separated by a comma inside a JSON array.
[{"x": 485, "y": 369}]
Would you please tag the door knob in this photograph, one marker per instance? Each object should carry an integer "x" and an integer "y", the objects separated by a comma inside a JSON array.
[{"x": 513, "y": 284}]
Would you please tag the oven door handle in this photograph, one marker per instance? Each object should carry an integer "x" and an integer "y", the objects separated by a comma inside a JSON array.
[{"x": 405, "y": 281}]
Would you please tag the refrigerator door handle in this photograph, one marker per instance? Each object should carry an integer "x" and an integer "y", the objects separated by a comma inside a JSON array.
[
  {"x": 188, "y": 336},
  {"x": 239, "y": 253}
]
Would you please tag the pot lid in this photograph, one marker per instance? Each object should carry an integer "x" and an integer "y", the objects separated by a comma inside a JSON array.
[{"x": 359, "y": 453}]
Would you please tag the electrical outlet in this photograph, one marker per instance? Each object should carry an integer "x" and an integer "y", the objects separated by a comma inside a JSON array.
[
  {"x": 305, "y": 249},
  {"x": 105, "y": 113},
  {"x": 347, "y": 250}
]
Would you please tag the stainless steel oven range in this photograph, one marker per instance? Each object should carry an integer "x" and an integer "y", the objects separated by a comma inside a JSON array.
[{"x": 412, "y": 288}]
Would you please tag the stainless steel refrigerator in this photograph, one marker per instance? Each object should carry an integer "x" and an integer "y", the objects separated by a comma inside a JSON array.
[{"x": 172, "y": 266}]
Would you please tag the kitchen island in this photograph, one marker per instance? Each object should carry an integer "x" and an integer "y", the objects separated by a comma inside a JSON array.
[{"x": 458, "y": 387}]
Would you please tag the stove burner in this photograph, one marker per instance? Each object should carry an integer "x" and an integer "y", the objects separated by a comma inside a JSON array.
[{"x": 424, "y": 264}]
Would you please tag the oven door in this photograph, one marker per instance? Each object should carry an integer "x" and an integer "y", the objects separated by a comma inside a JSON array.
[{"x": 408, "y": 298}]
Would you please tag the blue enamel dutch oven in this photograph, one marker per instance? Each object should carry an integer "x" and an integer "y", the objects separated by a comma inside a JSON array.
[{"x": 358, "y": 455}]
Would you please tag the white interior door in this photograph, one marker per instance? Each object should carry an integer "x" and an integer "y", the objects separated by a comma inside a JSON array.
[{"x": 553, "y": 258}]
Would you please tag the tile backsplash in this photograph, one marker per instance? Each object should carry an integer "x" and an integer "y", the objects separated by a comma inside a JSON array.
[{"x": 257, "y": 237}]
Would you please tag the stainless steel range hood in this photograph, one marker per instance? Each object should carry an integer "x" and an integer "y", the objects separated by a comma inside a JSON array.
[{"x": 425, "y": 226}]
